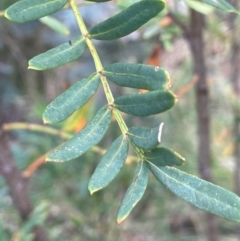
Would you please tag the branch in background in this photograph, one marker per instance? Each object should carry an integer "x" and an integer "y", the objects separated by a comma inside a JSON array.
[
  {"x": 235, "y": 80},
  {"x": 187, "y": 87},
  {"x": 18, "y": 186},
  {"x": 34, "y": 166},
  {"x": 194, "y": 36},
  {"x": 46, "y": 130},
  {"x": 196, "y": 41}
]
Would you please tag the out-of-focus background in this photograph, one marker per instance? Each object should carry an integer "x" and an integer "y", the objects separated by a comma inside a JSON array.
[{"x": 60, "y": 191}]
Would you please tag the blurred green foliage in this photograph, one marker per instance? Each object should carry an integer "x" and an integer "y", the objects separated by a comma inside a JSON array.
[{"x": 73, "y": 213}]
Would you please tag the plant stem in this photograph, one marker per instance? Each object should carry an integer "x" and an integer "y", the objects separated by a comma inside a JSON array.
[
  {"x": 93, "y": 51},
  {"x": 2, "y": 13},
  {"x": 44, "y": 129},
  {"x": 48, "y": 130},
  {"x": 37, "y": 128},
  {"x": 34, "y": 166},
  {"x": 80, "y": 4},
  {"x": 99, "y": 68}
]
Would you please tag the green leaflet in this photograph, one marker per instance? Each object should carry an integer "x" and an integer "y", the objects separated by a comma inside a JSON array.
[
  {"x": 27, "y": 10},
  {"x": 137, "y": 76},
  {"x": 200, "y": 193},
  {"x": 220, "y": 4},
  {"x": 146, "y": 104},
  {"x": 72, "y": 99},
  {"x": 55, "y": 25},
  {"x": 134, "y": 192},
  {"x": 127, "y": 21},
  {"x": 144, "y": 137},
  {"x": 110, "y": 164},
  {"x": 162, "y": 156},
  {"x": 84, "y": 140},
  {"x": 59, "y": 55}
]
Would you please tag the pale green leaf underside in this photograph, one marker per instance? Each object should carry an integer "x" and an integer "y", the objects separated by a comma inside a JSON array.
[
  {"x": 200, "y": 193},
  {"x": 110, "y": 165},
  {"x": 72, "y": 99},
  {"x": 137, "y": 76},
  {"x": 162, "y": 156},
  {"x": 55, "y": 25},
  {"x": 84, "y": 140},
  {"x": 145, "y": 104},
  {"x": 27, "y": 10},
  {"x": 59, "y": 55},
  {"x": 144, "y": 137},
  {"x": 134, "y": 192},
  {"x": 220, "y": 4},
  {"x": 98, "y": 1},
  {"x": 127, "y": 21},
  {"x": 199, "y": 6}
]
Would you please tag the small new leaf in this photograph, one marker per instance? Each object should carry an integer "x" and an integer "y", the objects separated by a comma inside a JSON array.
[
  {"x": 144, "y": 137},
  {"x": 198, "y": 192},
  {"x": 110, "y": 165},
  {"x": 162, "y": 156},
  {"x": 55, "y": 25},
  {"x": 72, "y": 99},
  {"x": 146, "y": 104},
  {"x": 137, "y": 76},
  {"x": 27, "y": 10},
  {"x": 127, "y": 21},
  {"x": 84, "y": 140},
  {"x": 59, "y": 55},
  {"x": 98, "y": 1},
  {"x": 134, "y": 192}
]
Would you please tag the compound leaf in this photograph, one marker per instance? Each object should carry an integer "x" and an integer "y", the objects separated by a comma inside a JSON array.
[
  {"x": 110, "y": 164},
  {"x": 27, "y": 10},
  {"x": 134, "y": 192},
  {"x": 127, "y": 21},
  {"x": 59, "y": 55},
  {"x": 137, "y": 76},
  {"x": 144, "y": 137},
  {"x": 72, "y": 99},
  {"x": 198, "y": 192},
  {"x": 145, "y": 104},
  {"x": 84, "y": 140},
  {"x": 162, "y": 156}
]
